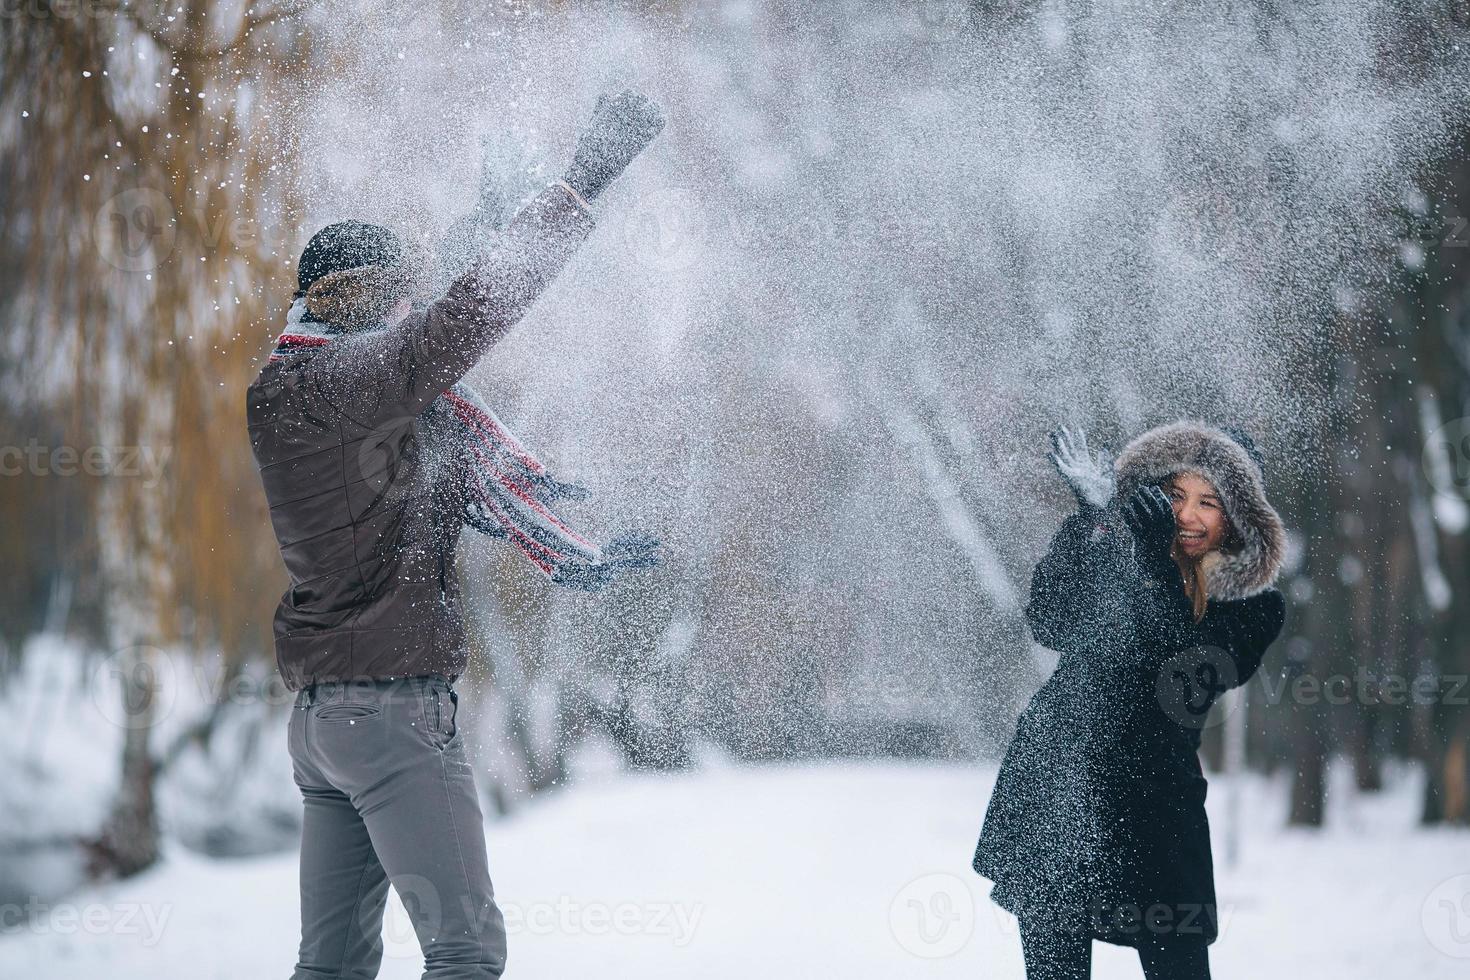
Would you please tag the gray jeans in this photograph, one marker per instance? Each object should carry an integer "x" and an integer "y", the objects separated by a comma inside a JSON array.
[{"x": 389, "y": 797}]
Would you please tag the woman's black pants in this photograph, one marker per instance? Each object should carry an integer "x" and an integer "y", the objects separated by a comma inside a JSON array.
[{"x": 1068, "y": 956}]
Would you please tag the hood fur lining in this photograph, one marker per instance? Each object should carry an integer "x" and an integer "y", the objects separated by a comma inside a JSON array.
[{"x": 1195, "y": 447}]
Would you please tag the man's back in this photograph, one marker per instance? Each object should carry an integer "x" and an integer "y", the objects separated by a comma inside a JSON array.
[{"x": 365, "y": 513}]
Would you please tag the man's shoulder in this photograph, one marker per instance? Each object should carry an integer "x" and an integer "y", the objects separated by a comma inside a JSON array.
[
  {"x": 267, "y": 395},
  {"x": 282, "y": 389}
]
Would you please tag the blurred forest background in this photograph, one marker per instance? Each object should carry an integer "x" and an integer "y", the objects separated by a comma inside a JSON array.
[{"x": 815, "y": 346}]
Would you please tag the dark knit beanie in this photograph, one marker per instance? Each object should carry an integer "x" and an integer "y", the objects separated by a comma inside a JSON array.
[{"x": 347, "y": 245}]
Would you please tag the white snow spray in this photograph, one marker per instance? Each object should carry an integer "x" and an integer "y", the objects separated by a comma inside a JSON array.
[{"x": 828, "y": 317}]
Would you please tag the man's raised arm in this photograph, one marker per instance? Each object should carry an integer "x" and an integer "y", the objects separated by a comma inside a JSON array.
[{"x": 402, "y": 369}]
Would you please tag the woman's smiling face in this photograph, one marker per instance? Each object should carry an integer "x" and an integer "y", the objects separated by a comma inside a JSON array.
[{"x": 1199, "y": 515}]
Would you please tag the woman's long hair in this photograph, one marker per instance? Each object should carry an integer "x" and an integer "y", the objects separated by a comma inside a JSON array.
[{"x": 1196, "y": 587}]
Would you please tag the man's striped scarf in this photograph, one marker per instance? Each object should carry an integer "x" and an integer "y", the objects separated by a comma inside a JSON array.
[{"x": 511, "y": 492}]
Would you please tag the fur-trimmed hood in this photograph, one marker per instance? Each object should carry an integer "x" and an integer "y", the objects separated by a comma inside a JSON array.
[{"x": 1195, "y": 447}]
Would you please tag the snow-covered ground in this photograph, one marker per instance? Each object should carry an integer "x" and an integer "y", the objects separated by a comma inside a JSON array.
[{"x": 843, "y": 870}]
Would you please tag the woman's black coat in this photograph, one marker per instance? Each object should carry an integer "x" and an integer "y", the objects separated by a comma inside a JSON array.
[{"x": 1097, "y": 822}]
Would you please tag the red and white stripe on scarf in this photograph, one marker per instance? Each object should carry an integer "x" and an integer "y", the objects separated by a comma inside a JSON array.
[{"x": 511, "y": 491}]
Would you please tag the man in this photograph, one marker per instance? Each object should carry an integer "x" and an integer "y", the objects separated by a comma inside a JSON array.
[{"x": 374, "y": 454}]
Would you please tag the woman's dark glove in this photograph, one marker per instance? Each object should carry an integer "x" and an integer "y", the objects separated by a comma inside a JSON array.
[
  {"x": 1150, "y": 517},
  {"x": 621, "y": 126},
  {"x": 1089, "y": 474}
]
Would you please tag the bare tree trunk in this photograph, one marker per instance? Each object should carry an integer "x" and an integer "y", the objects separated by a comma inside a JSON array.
[
  {"x": 129, "y": 842},
  {"x": 1307, "y": 718},
  {"x": 1309, "y": 751}
]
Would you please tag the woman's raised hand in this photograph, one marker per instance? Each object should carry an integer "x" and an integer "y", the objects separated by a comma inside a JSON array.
[{"x": 1089, "y": 474}]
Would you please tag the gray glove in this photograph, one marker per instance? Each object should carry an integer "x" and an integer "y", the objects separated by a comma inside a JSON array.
[
  {"x": 631, "y": 550},
  {"x": 1089, "y": 474},
  {"x": 621, "y": 126}
]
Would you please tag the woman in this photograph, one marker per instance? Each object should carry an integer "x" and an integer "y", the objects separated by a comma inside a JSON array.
[{"x": 1159, "y": 597}]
